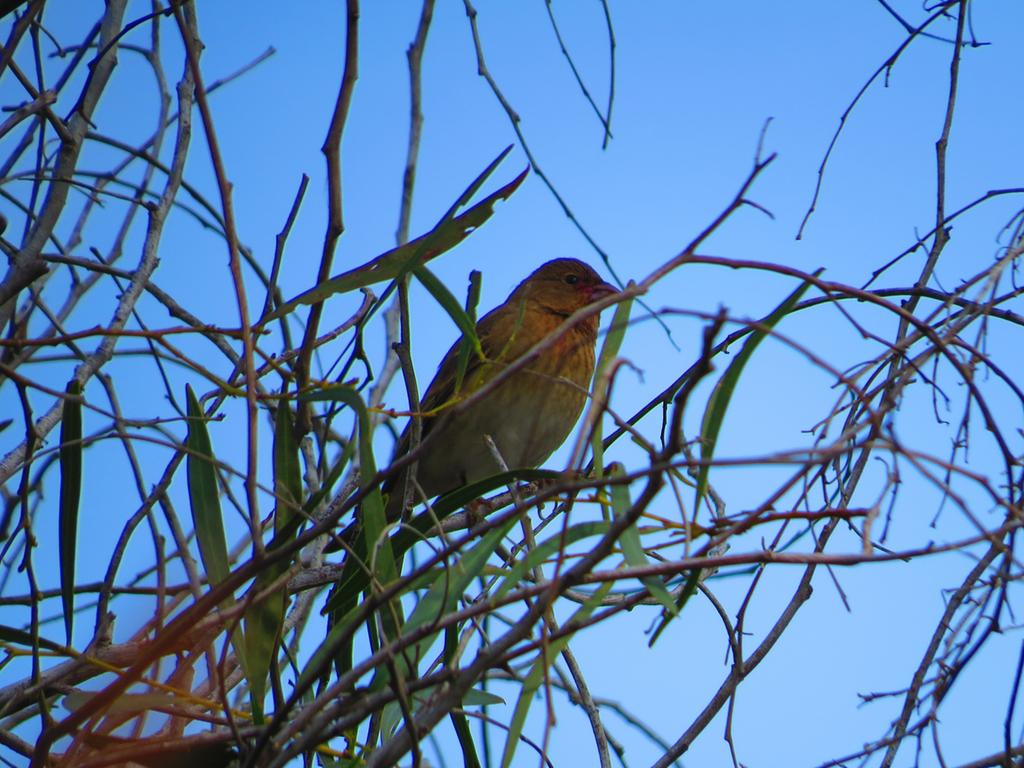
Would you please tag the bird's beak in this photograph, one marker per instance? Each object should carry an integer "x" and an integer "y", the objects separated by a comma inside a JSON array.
[{"x": 599, "y": 291}]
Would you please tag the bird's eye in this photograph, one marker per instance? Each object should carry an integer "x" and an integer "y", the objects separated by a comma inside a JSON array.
[{"x": 572, "y": 279}]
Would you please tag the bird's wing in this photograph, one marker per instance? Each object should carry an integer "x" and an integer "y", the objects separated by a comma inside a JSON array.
[{"x": 501, "y": 338}]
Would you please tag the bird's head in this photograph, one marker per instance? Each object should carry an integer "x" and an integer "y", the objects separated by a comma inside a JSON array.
[{"x": 564, "y": 286}]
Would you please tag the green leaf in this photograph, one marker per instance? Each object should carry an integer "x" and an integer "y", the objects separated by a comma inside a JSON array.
[
  {"x": 203, "y": 494},
  {"x": 326, "y": 651},
  {"x": 609, "y": 351},
  {"x": 632, "y": 549},
  {"x": 711, "y": 425},
  {"x": 460, "y": 498},
  {"x": 443, "y": 597},
  {"x": 688, "y": 591},
  {"x": 447, "y": 590},
  {"x": 547, "y": 549},
  {"x": 478, "y": 182},
  {"x": 475, "y": 697},
  {"x": 392, "y": 716},
  {"x": 374, "y": 543},
  {"x": 460, "y": 722},
  {"x": 352, "y": 580},
  {"x": 466, "y": 344},
  {"x": 16, "y": 636},
  {"x": 718, "y": 403},
  {"x": 264, "y": 620},
  {"x": 451, "y": 305},
  {"x": 448, "y": 233},
  {"x": 371, "y": 508},
  {"x": 287, "y": 469},
  {"x": 204, "y": 501},
  {"x": 537, "y": 673},
  {"x": 70, "y": 496}
]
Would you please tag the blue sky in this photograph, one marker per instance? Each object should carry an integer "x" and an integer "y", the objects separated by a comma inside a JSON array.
[{"x": 695, "y": 85}]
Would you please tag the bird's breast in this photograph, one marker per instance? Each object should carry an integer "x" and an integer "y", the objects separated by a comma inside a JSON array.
[{"x": 539, "y": 405}]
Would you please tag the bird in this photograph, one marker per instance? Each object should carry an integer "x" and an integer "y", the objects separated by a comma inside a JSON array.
[{"x": 529, "y": 414}]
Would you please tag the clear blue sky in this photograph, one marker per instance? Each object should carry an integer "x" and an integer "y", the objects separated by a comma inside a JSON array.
[{"x": 695, "y": 83}]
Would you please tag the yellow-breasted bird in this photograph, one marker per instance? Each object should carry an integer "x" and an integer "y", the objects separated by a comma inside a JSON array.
[{"x": 532, "y": 412}]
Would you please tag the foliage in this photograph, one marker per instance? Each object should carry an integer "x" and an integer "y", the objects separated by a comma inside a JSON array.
[{"x": 467, "y": 614}]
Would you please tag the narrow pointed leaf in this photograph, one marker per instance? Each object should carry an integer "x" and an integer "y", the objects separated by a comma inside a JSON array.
[
  {"x": 203, "y": 493},
  {"x": 451, "y": 305},
  {"x": 536, "y": 675},
  {"x": 204, "y": 501},
  {"x": 460, "y": 498},
  {"x": 478, "y": 182},
  {"x": 476, "y": 697},
  {"x": 325, "y": 653},
  {"x": 70, "y": 495},
  {"x": 718, "y": 403},
  {"x": 447, "y": 590},
  {"x": 353, "y": 579},
  {"x": 372, "y": 520},
  {"x": 711, "y": 425},
  {"x": 632, "y": 549},
  {"x": 466, "y": 345},
  {"x": 263, "y": 620},
  {"x": 547, "y": 549},
  {"x": 442, "y": 597},
  {"x": 609, "y": 351},
  {"x": 16, "y": 636},
  {"x": 460, "y": 722},
  {"x": 688, "y": 590},
  {"x": 287, "y": 469},
  {"x": 371, "y": 508},
  {"x": 448, "y": 233}
]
